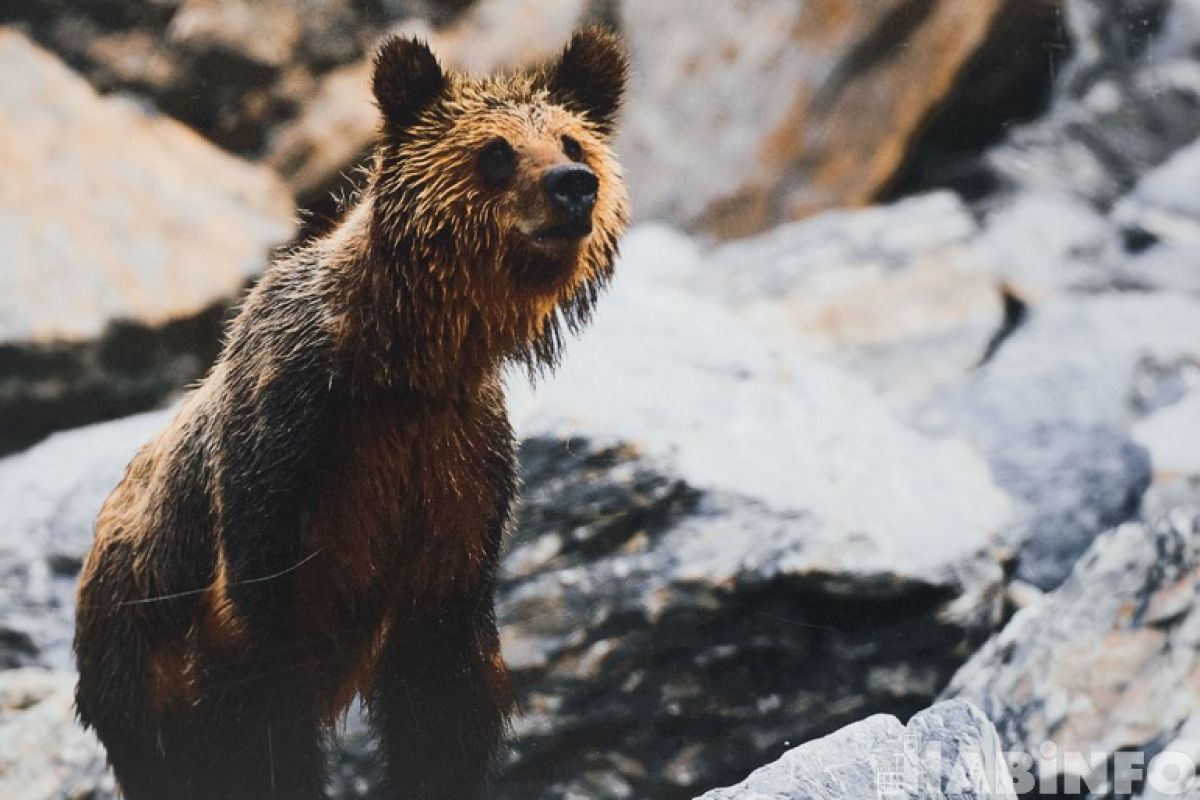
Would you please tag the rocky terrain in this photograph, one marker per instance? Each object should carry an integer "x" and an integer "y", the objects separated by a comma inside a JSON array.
[{"x": 888, "y": 431}]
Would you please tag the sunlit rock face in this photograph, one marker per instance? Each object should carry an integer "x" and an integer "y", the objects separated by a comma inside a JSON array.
[
  {"x": 774, "y": 110},
  {"x": 123, "y": 236}
]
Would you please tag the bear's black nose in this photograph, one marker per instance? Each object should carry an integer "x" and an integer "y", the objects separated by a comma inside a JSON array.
[{"x": 572, "y": 189}]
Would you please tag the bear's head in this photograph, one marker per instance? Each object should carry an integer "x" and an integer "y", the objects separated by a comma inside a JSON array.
[{"x": 500, "y": 195}]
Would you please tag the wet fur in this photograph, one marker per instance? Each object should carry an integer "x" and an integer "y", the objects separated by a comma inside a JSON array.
[{"x": 323, "y": 517}]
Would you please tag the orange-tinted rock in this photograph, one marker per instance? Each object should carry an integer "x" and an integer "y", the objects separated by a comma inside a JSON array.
[
  {"x": 122, "y": 236},
  {"x": 1108, "y": 663},
  {"x": 226, "y": 68},
  {"x": 112, "y": 213},
  {"x": 266, "y": 32},
  {"x": 741, "y": 115}
]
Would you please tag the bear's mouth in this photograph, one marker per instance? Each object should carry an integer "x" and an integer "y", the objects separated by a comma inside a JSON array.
[{"x": 563, "y": 232}]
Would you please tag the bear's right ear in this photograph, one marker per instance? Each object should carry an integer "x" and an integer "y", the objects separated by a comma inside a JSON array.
[{"x": 407, "y": 79}]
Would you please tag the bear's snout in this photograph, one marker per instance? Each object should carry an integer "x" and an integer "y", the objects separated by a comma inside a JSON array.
[{"x": 572, "y": 191}]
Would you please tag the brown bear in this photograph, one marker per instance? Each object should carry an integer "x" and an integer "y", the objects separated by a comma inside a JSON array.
[{"x": 323, "y": 517}]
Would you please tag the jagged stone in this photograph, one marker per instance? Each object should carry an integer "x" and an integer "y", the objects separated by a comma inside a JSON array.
[
  {"x": 948, "y": 751},
  {"x": 1108, "y": 662}
]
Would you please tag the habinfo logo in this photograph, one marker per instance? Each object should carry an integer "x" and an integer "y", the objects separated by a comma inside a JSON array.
[{"x": 962, "y": 770}]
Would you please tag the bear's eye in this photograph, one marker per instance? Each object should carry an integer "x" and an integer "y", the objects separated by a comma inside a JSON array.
[
  {"x": 572, "y": 148},
  {"x": 497, "y": 163}
]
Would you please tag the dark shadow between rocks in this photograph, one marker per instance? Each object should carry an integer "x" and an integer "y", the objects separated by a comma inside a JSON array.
[{"x": 132, "y": 367}]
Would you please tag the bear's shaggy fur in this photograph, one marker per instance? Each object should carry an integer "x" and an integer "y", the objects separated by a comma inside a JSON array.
[{"x": 323, "y": 517}]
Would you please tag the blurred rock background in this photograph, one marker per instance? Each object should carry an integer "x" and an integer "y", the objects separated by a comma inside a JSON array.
[{"x": 896, "y": 398}]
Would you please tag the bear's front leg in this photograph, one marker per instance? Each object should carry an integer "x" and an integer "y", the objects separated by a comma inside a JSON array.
[
  {"x": 256, "y": 736},
  {"x": 440, "y": 703}
]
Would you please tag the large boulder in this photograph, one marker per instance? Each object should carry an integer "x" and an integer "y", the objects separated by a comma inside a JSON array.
[
  {"x": 900, "y": 294},
  {"x": 1009, "y": 332},
  {"x": 1107, "y": 664},
  {"x": 122, "y": 236},
  {"x": 113, "y": 212},
  {"x": 948, "y": 751},
  {"x": 744, "y": 114}
]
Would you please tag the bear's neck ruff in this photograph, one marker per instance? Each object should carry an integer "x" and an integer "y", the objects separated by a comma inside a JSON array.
[{"x": 422, "y": 316}]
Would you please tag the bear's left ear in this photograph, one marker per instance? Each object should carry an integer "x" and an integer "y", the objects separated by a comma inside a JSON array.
[
  {"x": 589, "y": 76},
  {"x": 407, "y": 80}
]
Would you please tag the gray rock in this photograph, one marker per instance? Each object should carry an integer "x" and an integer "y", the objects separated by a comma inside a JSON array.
[
  {"x": 899, "y": 294},
  {"x": 1164, "y": 203},
  {"x": 1052, "y": 413},
  {"x": 1164, "y": 497},
  {"x": 948, "y": 751},
  {"x": 1171, "y": 435},
  {"x": 51, "y": 495},
  {"x": 1041, "y": 244},
  {"x": 1166, "y": 265},
  {"x": 890, "y": 238},
  {"x": 1109, "y": 662},
  {"x": 1076, "y": 481},
  {"x": 1161, "y": 218},
  {"x": 43, "y": 754},
  {"x": 1125, "y": 103},
  {"x": 724, "y": 623}
]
